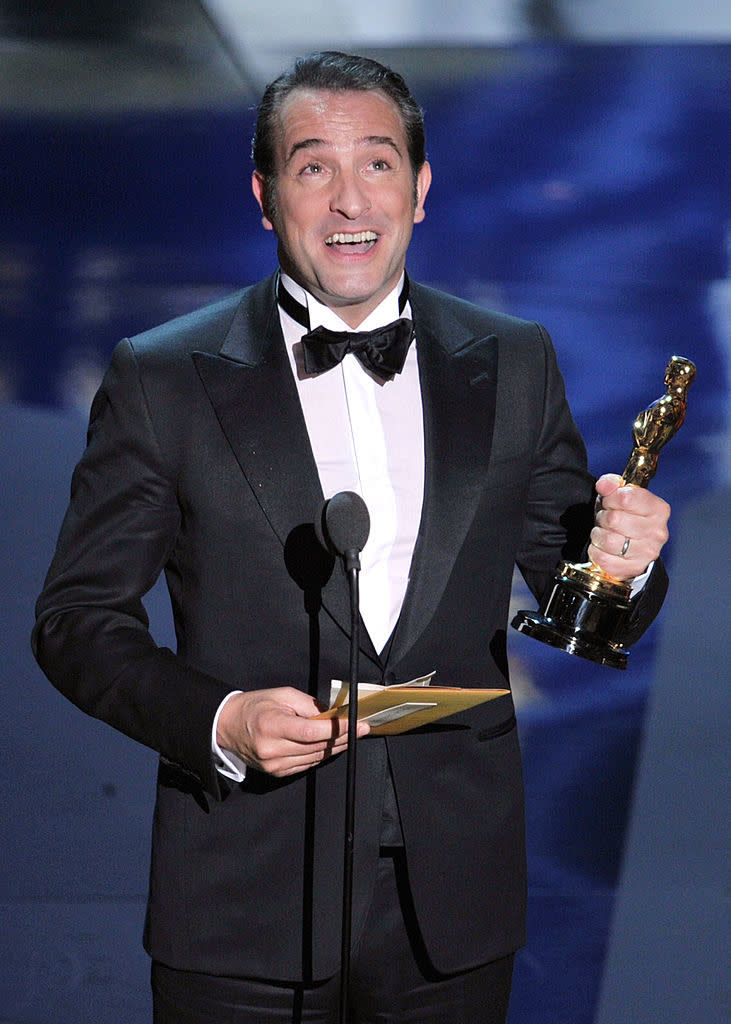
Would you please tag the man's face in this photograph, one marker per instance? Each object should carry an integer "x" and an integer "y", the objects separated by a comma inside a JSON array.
[{"x": 345, "y": 197}]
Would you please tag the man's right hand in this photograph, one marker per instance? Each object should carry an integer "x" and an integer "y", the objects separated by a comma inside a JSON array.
[{"x": 275, "y": 731}]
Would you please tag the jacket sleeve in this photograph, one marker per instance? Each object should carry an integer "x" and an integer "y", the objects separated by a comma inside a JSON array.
[
  {"x": 560, "y": 504},
  {"x": 91, "y": 635}
]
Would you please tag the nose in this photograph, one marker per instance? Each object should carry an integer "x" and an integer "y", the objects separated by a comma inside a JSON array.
[{"x": 349, "y": 196}]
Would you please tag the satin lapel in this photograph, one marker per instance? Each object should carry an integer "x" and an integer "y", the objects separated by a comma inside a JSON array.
[
  {"x": 250, "y": 386},
  {"x": 458, "y": 374}
]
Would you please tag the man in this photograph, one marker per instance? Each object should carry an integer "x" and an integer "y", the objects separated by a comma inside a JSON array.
[{"x": 213, "y": 441}]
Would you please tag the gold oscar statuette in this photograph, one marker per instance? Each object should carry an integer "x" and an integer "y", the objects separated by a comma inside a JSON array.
[{"x": 587, "y": 609}]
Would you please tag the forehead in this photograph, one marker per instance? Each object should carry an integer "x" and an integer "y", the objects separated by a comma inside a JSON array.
[{"x": 339, "y": 119}]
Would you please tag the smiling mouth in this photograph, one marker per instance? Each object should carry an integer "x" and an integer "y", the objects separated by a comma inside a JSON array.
[{"x": 365, "y": 239}]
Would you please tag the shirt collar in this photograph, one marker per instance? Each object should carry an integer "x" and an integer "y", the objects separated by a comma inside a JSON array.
[{"x": 322, "y": 316}]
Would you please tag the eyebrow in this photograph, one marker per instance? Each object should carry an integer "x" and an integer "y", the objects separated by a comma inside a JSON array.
[{"x": 368, "y": 140}]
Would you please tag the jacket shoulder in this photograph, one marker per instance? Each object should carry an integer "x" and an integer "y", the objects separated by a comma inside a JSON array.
[{"x": 438, "y": 306}]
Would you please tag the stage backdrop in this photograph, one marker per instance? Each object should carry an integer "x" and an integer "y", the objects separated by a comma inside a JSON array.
[{"x": 581, "y": 186}]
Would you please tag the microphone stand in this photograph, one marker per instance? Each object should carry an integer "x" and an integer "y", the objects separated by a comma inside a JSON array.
[
  {"x": 352, "y": 568},
  {"x": 342, "y": 527}
]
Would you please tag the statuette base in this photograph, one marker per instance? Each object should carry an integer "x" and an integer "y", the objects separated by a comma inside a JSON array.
[{"x": 584, "y": 614}]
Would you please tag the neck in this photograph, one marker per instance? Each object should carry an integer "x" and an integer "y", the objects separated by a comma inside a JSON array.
[{"x": 297, "y": 302}]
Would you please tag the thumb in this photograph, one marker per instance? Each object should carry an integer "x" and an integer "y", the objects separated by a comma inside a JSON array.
[
  {"x": 608, "y": 484},
  {"x": 302, "y": 704}
]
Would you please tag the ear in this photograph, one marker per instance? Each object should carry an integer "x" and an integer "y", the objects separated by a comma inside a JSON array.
[
  {"x": 258, "y": 187},
  {"x": 423, "y": 181}
]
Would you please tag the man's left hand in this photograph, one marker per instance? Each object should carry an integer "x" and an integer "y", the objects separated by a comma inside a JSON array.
[{"x": 630, "y": 528}]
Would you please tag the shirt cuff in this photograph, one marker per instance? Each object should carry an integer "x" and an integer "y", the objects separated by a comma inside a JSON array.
[
  {"x": 638, "y": 583},
  {"x": 228, "y": 764}
]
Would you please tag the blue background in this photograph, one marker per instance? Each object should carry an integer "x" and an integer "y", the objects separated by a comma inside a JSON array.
[{"x": 583, "y": 186}]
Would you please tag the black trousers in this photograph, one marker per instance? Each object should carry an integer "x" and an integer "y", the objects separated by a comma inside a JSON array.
[{"x": 390, "y": 980}]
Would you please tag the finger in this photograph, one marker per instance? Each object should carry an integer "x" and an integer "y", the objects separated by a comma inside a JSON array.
[
  {"x": 620, "y": 568},
  {"x": 285, "y": 761},
  {"x": 336, "y": 738},
  {"x": 321, "y": 734},
  {"x": 632, "y": 542},
  {"x": 613, "y": 543},
  {"x": 289, "y": 755},
  {"x": 302, "y": 761},
  {"x": 607, "y": 555},
  {"x": 614, "y": 524},
  {"x": 636, "y": 501}
]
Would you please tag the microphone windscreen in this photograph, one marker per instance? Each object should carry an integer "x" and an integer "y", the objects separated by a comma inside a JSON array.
[{"x": 344, "y": 523}]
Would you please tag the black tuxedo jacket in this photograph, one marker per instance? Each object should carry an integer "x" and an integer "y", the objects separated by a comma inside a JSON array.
[{"x": 198, "y": 464}]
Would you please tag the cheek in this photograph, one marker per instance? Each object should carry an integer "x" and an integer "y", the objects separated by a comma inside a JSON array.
[
  {"x": 300, "y": 222},
  {"x": 407, "y": 213}
]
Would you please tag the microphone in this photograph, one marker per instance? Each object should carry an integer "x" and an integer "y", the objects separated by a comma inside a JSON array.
[{"x": 343, "y": 527}]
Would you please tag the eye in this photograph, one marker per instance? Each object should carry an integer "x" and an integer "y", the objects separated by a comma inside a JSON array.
[
  {"x": 313, "y": 168},
  {"x": 380, "y": 164}
]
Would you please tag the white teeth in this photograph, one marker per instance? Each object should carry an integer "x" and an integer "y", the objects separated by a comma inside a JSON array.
[{"x": 343, "y": 238}]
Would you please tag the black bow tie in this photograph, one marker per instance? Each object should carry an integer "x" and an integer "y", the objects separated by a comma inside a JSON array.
[{"x": 382, "y": 351}]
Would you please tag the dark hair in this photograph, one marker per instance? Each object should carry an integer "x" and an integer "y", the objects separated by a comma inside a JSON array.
[{"x": 340, "y": 72}]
